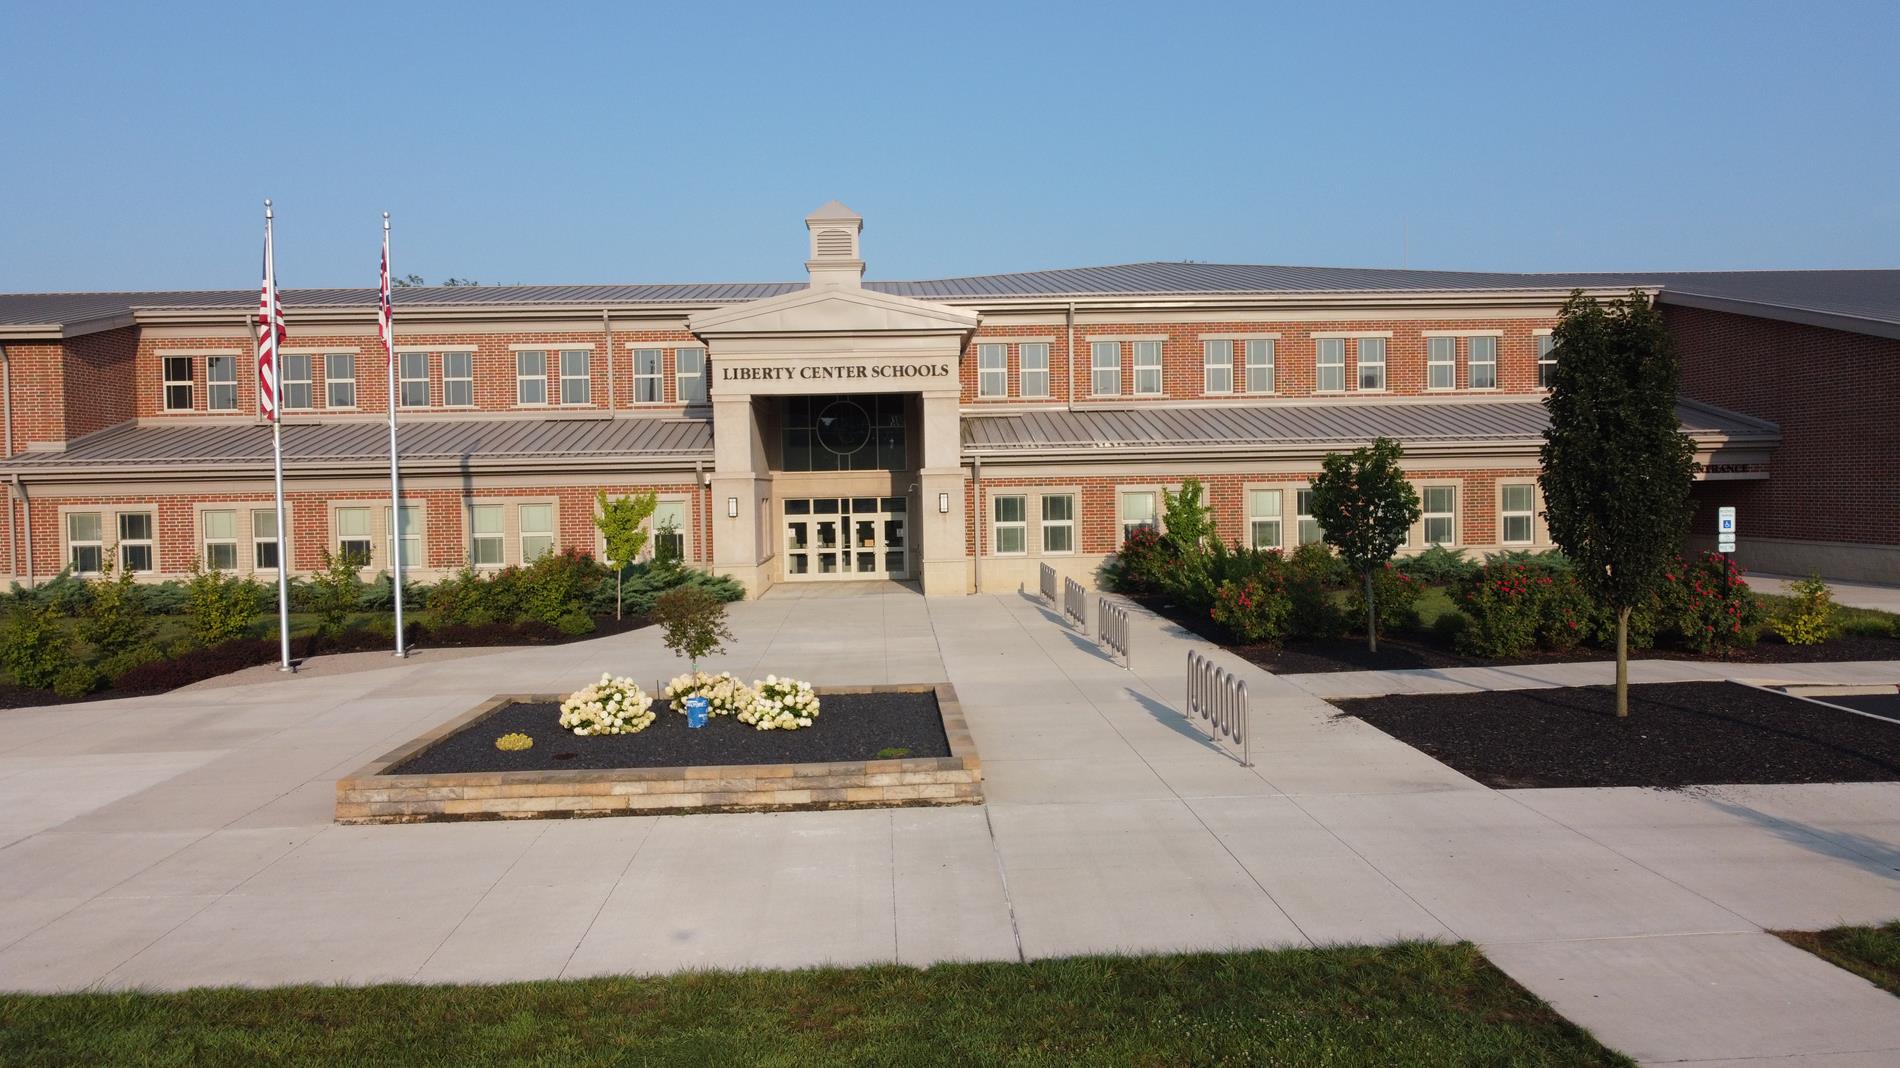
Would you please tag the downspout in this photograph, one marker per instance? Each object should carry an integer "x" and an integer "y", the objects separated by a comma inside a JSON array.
[
  {"x": 1070, "y": 392},
  {"x": 6, "y": 395},
  {"x": 26, "y": 506},
  {"x": 976, "y": 467},
  {"x": 607, "y": 327}
]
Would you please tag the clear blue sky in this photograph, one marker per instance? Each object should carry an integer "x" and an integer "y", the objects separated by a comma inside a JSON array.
[{"x": 685, "y": 141}]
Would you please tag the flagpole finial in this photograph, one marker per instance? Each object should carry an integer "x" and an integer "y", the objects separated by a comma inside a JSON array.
[
  {"x": 385, "y": 220},
  {"x": 266, "y": 207}
]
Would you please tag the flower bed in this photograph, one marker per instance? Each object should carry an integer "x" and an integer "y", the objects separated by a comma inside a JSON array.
[{"x": 877, "y": 746}]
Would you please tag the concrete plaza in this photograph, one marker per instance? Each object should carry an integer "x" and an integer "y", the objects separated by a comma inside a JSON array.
[{"x": 186, "y": 840}]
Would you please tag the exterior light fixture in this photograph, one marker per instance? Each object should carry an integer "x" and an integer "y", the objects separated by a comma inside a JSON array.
[
  {"x": 732, "y": 507},
  {"x": 943, "y": 503}
]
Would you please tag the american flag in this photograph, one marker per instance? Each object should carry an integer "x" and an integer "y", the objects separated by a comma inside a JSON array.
[
  {"x": 270, "y": 329},
  {"x": 386, "y": 315}
]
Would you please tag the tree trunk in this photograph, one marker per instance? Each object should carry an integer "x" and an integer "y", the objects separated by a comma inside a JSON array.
[
  {"x": 1622, "y": 663},
  {"x": 618, "y": 572},
  {"x": 1372, "y": 618}
]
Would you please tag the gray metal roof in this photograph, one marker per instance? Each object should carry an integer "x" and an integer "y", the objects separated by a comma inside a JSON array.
[
  {"x": 1265, "y": 425},
  {"x": 245, "y": 448},
  {"x": 1844, "y": 298}
]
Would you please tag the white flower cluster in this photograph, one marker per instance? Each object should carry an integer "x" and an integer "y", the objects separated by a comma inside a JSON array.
[
  {"x": 610, "y": 706},
  {"x": 781, "y": 705},
  {"x": 725, "y": 695}
]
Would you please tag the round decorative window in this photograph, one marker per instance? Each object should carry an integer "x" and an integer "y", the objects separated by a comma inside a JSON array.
[{"x": 843, "y": 427}]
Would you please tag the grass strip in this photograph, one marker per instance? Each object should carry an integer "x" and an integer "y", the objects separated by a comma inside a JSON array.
[{"x": 1873, "y": 953}]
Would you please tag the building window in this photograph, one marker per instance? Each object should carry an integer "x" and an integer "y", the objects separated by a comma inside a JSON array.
[
  {"x": 221, "y": 383},
  {"x": 178, "y": 383},
  {"x": 1481, "y": 358},
  {"x": 220, "y": 530},
  {"x": 486, "y": 539},
  {"x": 135, "y": 541},
  {"x": 646, "y": 376},
  {"x": 1260, "y": 365},
  {"x": 689, "y": 375},
  {"x": 1147, "y": 368},
  {"x": 352, "y": 534},
  {"x": 85, "y": 554},
  {"x": 412, "y": 383},
  {"x": 531, "y": 377},
  {"x": 992, "y": 370},
  {"x": 1034, "y": 358},
  {"x": 1058, "y": 523},
  {"x": 1519, "y": 514},
  {"x": 411, "y": 535},
  {"x": 1332, "y": 364},
  {"x": 1546, "y": 361},
  {"x": 1263, "y": 518},
  {"x": 1105, "y": 374},
  {"x": 339, "y": 380},
  {"x": 1306, "y": 526},
  {"x": 576, "y": 376},
  {"x": 1441, "y": 363},
  {"x": 1012, "y": 525},
  {"x": 537, "y": 531},
  {"x": 264, "y": 549},
  {"x": 1138, "y": 510},
  {"x": 669, "y": 528},
  {"x": 458, "y": 379},
  {"x": 293, "y": 372},
  {"x": 1217, "y": 366},
  {"x": 1441, "y": 515},
  {"x": 1372, "y": 364}
]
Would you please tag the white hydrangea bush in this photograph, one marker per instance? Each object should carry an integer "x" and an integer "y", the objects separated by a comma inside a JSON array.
[
  {"x": 725, "y": 695},
  {"x": 610, "y": 706},
  {"x": 781, "y": 705}
]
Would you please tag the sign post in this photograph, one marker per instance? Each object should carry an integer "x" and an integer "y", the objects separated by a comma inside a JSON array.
[{"x": 1725, "y": 531}]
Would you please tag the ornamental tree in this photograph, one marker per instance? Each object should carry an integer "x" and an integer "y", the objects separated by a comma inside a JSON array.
[
  {"x": 622, "y": 523},
  {"x": 692, "y": 622},
  {"x": 1365, "y": 509},
  {"x": 1617, "y": 468}
]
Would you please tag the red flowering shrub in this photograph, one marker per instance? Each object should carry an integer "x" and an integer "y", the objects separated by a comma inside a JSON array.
[
  {"x": 1396, "y": 593},
  {"x": 1142, "y": 564},
  {"x": 1707, "y": 605},
  {"x": 1515, "y": 609},
  {"x": 1255, "y": 609}
]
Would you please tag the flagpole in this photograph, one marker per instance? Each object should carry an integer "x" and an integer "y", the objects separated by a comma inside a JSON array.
[
  {"x": 388, "y": 327},
  {"x": 277, "y": 448}
]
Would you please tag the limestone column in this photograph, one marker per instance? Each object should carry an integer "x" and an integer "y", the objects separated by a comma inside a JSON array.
[
  {"x": 946, "y": 562},
  {"x": 741, "y": 479}
]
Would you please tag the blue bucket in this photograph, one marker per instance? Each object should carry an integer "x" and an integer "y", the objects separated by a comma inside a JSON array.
[{"x": 697, "y": 709}]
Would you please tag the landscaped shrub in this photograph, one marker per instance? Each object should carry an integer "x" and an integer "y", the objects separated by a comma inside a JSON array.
[
  {"x": 1397, "y": 595},
  {"x": 65, "y": 593},
  {"x": 114, "y": 667},
  {"x": 461, "y": 600},
  {"x": 1140, "y": 564},
  {"x": 379, "y": 594},
  {"x": 644, "y": 583},
  {"x": 1809, "y": 617},
  {"x": 556, "y": 587},
  {"x": 76, "y": 680},
  {"x": 610, "y": 706},
  {"x": 115, "y": 620},
  {"x": 34, "y": 646},
  {"x": 1438, "y": 566},
  {"x": 1707, "y": 605},
  {"x": 1313, "y": 574},
  {"x": 725, "y": 695},
  {"x": 168, "y": 598},
  {"x": 1513, "y": 608},
  {"x": 1254, "y": 610},
  {"x": 527, "y": 632},
  {"x": 781, "y": 705},
  {"x": 335, "y": 590},
  {"x": 221, "y": 607},
  {"x": 172, "y": 672}
]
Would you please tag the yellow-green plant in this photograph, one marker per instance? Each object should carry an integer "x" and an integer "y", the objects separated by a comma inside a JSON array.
[
  {"x": 514, "y": 742},
  {"x": 1809, "y": 618}
]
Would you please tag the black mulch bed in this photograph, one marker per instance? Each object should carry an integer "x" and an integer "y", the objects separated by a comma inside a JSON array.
[
  {"x": 850, "y": 726},
  {"x": 1677, "y": 734}
]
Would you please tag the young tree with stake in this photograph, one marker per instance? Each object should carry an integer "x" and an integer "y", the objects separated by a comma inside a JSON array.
[
  {"x": 1365, "y": 509},
  {"x": 1617, "y": 466},
  {"x": 622, "y": 523}
]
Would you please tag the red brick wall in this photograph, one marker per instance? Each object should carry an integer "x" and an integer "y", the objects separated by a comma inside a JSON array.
[{"x": 1836, "y": 476}]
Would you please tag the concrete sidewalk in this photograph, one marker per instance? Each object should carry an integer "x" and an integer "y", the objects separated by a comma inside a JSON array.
[
  {"x": 1852, "y": 594},
  {"x": 186, "y": 839}
]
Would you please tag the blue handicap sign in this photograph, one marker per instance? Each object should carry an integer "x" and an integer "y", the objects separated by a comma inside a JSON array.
[{"x": 697, "y": 709}]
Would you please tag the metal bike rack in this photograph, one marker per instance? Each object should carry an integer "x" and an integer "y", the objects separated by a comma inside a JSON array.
[
  {"x": 1049, "y": 584},
  {"x": 1111, "y": 624},
  {"x": 1075, "y": 603},
  {"x": 1217, "y": 703}
]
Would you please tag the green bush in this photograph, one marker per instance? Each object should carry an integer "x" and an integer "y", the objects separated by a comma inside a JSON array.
[
  {"x": 112, "y": 667},
  {"x": 65, "y": 593},
  {"x": 1140, "y": 564},
  {"x": 644, "y": 583},
  {"x": 558, "y": 585},
  {"x": 1809, "y": 617},
  {"x": 1313, "y": 574},
  {"x": 116, "y": 619},
  {"x": 1439, "y": 566},
  {"x": 1706, "y": 604},
  {"x": 76, "y": 680},
  {"x": 1513, "y": 608},
  {"x": 34, "y": 647},
  {"x": 462, "y": 600},
  {"x": 379, "y": 594},
  {"x": 1255, "y": 610},
  {"x": 168, "y": 598},
  {"x": 334, "y": 592},
  {"x": 220, "y": 607},
  {"x": 1396, "y": 594},
  {"x": 575, "y": 623}
]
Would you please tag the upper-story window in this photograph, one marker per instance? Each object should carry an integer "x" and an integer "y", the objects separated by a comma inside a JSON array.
[
  {"x": 1217, "y": 366},
  {"x": 1105, "y": 368},
  {"x": 221, "y": 383},
  {"x": 178, "y": 383},
  {"x": 339, "y": 379},
  {"x": 992, "y": 370},
  {"x": 1372, "y": 364},
  {"x": 412, "y": 387},
  {"x": 1481, "y": 362},
  {"x": 1331, "y": 358},
  {"x": 689, "y": 375},
  {"x": 1546, "y": 361},
  {"x": 458, "y": 379},
  {"x": 1147, "y": 368},
  {"x": 1260, "y": 365},
  {"x": 531, "y": 377},
  {"x": 577, "y": 378},
  {"x": 1033, "y": 356},
  {"x": 1441, "y": 363},
  {"x": 646, "y": 376},
  {"x": 293, "y": 372}
]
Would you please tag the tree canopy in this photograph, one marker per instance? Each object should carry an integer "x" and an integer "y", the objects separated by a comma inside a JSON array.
[{"x": 1365, "y": 509}]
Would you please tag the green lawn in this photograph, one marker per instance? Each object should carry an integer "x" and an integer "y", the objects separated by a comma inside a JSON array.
[
  {"x": 1873, "y": 953},
  {"x": 1408, "y": 1004}
]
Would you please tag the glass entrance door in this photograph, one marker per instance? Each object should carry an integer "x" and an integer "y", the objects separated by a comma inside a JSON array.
[{"x": 847, "y": 538}]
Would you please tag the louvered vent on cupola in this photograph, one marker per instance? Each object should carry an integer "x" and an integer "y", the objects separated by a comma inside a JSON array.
[
  {"x": 836, "y": 259},
  {"x": 836, "y": 245}
]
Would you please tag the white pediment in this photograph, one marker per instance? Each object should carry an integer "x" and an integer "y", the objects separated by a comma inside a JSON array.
[{"x": 833, "y": 310}]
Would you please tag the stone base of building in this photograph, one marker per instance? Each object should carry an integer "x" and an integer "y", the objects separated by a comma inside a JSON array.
[{"x": 1846, "y": 561}]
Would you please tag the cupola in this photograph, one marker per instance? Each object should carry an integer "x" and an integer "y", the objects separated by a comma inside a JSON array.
[{"x": 836, "y": 259}]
